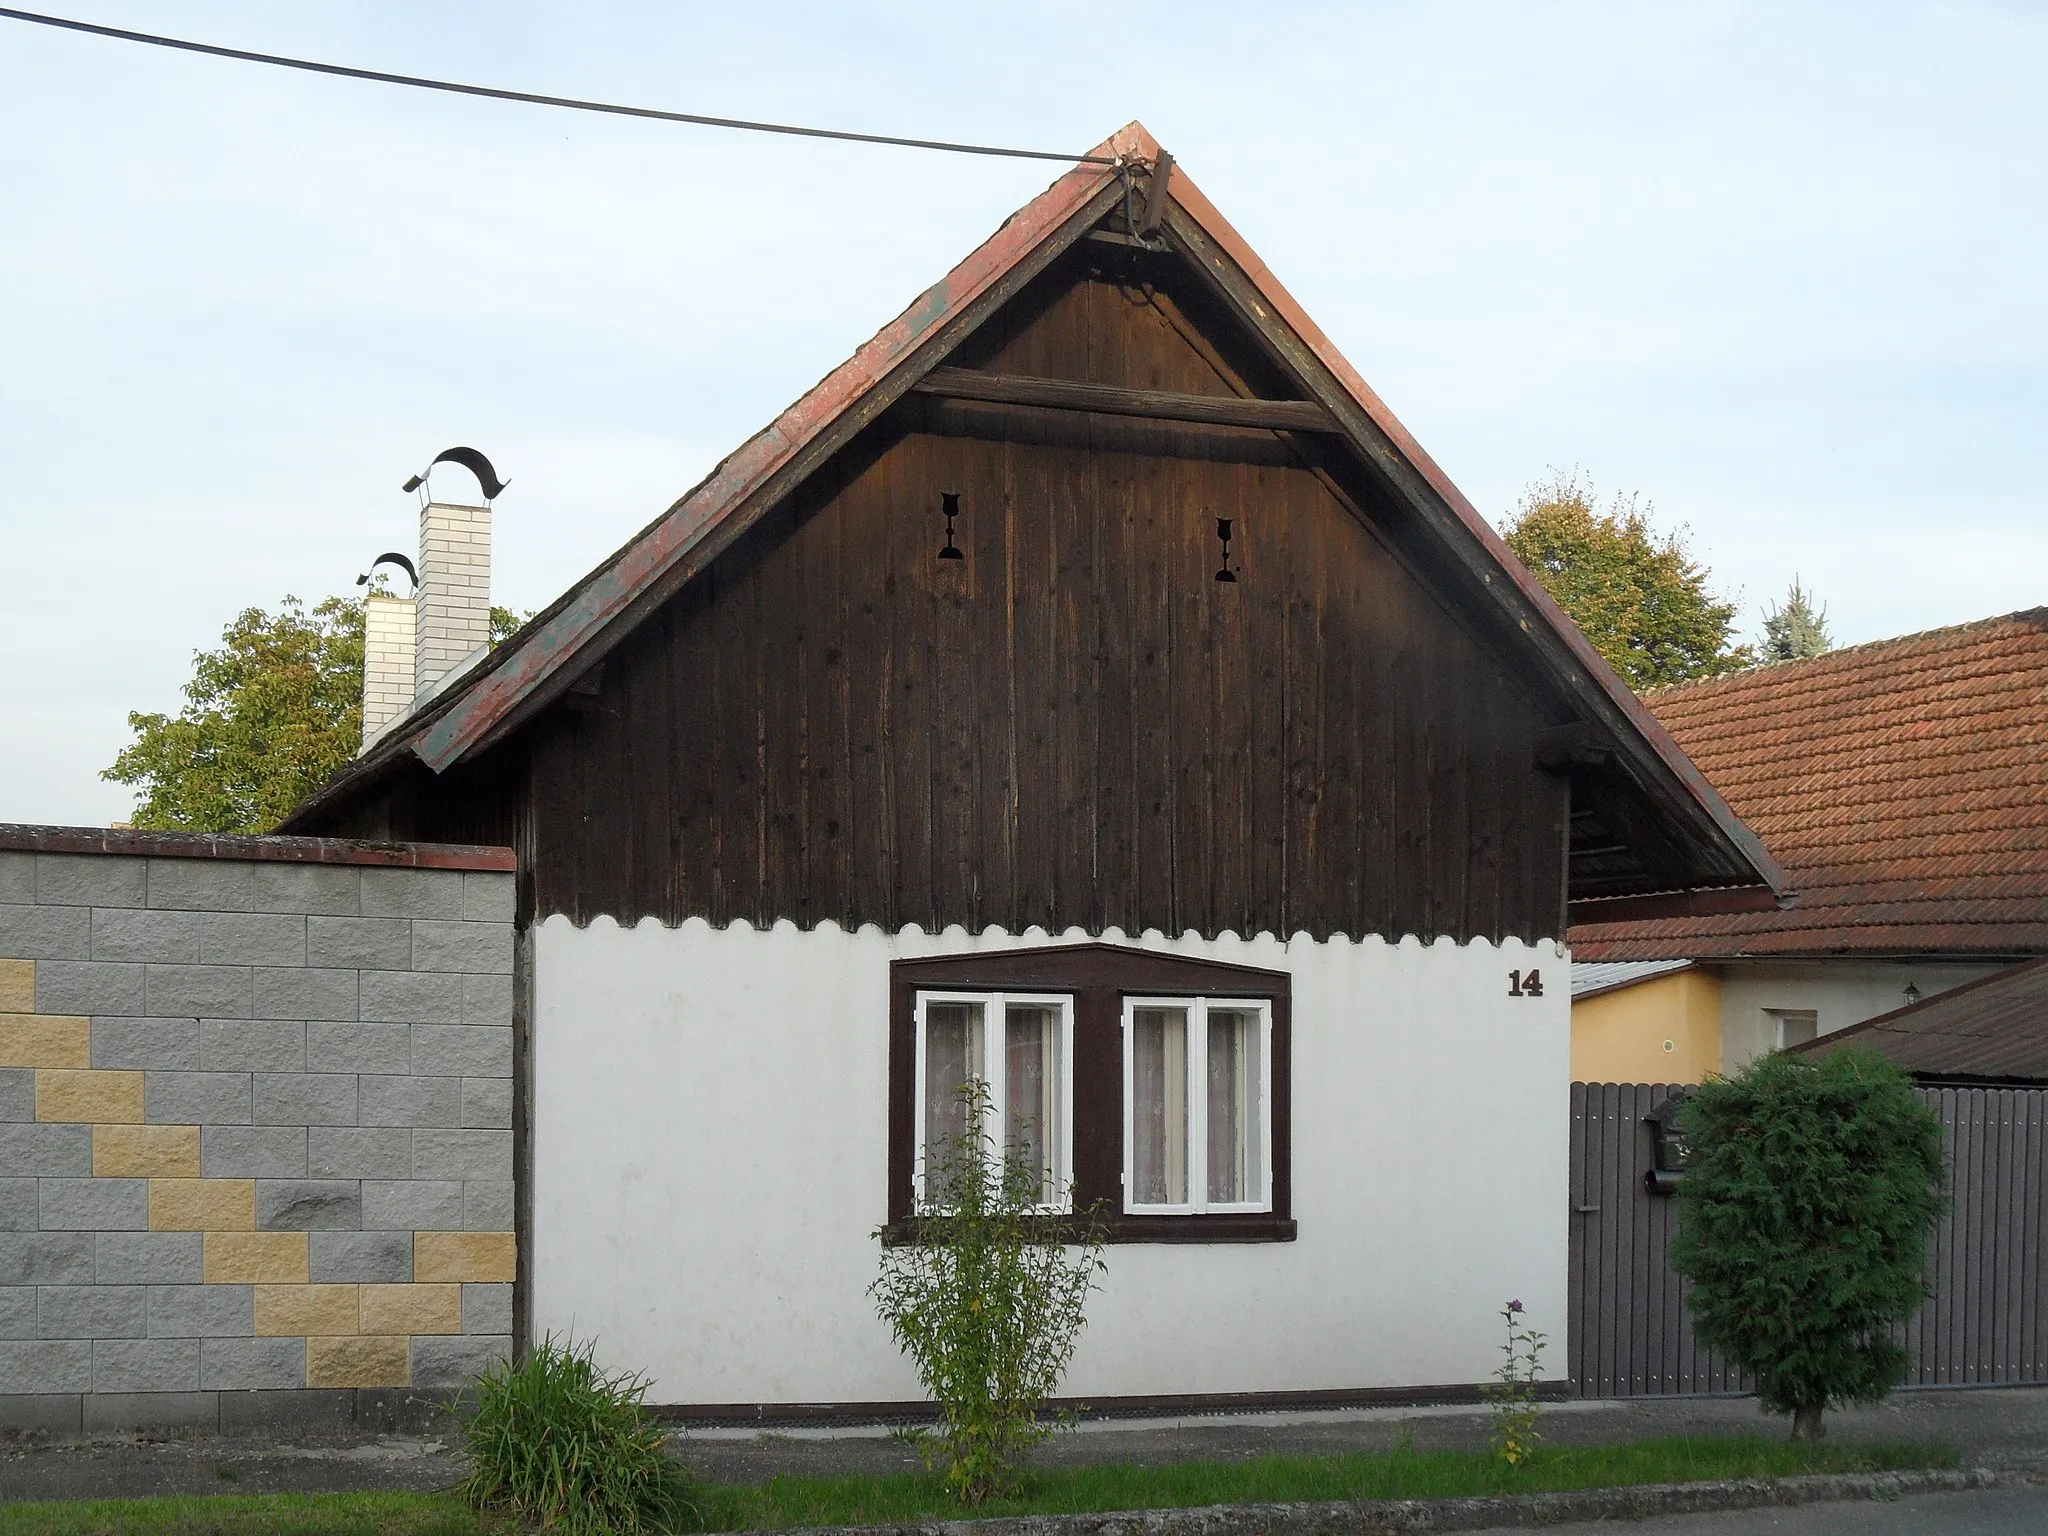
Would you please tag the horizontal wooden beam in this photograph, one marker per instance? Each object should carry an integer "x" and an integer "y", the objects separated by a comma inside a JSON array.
[
  {"x": 1114, "y": 400},
  {"x": 1127, "y": 242},
  {"x": 1669, "y": 904},
  {"x": 1579, "y": 744}
]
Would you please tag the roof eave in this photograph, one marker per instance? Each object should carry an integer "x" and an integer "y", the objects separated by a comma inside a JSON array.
[
  {"x": 1654, "y": 756},
  {"x": 557, "y": 644},
  {"x": 878, "y": 373},
  {"x": 1721, "y": 901}
]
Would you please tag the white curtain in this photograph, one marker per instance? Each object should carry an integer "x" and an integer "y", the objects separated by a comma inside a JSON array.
[
  {"x": 1159, "y": 1106},
  {"x": 1031, "y": 1093},
  {"x": 952, "y": 1054},
  {"x": 1235, "y": 1176}
]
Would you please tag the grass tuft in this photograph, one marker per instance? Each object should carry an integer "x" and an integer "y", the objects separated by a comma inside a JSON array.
[{"x": 569, "y": 1447}]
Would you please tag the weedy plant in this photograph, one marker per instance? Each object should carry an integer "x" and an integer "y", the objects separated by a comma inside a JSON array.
[
  {"x": 567, "y": 1446},
  {"x": 988, "y": 1301},
  {"x": 1512, "y": 1391}
]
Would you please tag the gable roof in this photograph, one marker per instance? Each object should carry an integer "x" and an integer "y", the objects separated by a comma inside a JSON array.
[
  {"x": 1991, "y": 1030},
  {"x": 533, "y": 669},
  {"x": 1904, "y": 784}
]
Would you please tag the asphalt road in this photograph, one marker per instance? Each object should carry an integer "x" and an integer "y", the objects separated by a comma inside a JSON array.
[{"x": 1990, "y": 1512}]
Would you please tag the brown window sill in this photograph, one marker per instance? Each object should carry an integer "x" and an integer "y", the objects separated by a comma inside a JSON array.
[{"x": 1233, "y": 1228}]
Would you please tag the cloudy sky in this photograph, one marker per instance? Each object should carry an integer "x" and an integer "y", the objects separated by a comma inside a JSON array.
[{"x": 1779, "y": 268}]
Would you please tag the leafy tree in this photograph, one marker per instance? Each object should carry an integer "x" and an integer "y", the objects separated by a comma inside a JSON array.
[
  {"x": 1640, "y": 598},
  {"x": 268, "y": 718},
  {"x": 988, "y": 1302},
  {"x": 1796, "y": 631},
  {"x": 1810, "y": 1188}
]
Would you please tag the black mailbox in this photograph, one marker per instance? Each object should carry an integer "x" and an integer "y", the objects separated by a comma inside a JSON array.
[{"x": 1667, "y": 1144}]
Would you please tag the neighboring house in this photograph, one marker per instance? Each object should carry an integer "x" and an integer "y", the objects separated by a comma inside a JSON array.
[
  {"x": 1644, "y": 1021},
  {"x": 1089, "y": 687},
  {"x": 1989, "y": 1033},
  {"x": 1904, "y": 785}
]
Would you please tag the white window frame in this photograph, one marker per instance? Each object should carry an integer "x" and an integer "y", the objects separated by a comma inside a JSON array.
[
  {"x": 1198, "y": 1202},
  {"x": 996, "y": 1061},
  {"x": 1780, "y": 1017}
]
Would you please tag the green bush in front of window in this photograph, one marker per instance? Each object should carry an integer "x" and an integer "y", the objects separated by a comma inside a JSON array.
[{"x": 988, "y": 1301}]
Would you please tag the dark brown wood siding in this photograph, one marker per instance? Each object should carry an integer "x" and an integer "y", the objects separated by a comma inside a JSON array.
[{"x": 1076, "y": 726}]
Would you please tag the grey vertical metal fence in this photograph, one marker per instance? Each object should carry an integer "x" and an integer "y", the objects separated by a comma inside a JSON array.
[{"x": 1986, "y": 1324}]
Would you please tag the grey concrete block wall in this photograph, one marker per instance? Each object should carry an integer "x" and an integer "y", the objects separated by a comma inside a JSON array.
[{"x": 255, "y": 1123}]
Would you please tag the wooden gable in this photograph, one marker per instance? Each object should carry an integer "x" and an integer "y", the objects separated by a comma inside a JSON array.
[{"x": 1076, "y": 724}]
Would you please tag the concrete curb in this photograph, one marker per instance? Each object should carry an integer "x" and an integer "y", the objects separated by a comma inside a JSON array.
[{"x": 1384, "y": 1517}]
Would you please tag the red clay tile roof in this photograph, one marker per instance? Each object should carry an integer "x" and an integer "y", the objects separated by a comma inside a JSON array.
[{"x": 1904, "y": 786}]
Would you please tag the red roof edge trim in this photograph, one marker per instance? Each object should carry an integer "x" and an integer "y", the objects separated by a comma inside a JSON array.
[
  {"x": 1704, "y": 903},
  {"x": 1603, "y": 676},
  {"x": 16, "y": 837},
  {"x": 496, "y": 694}
]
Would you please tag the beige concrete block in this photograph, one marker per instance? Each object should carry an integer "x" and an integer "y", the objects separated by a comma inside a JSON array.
[
  {"x": 358, "y": 1362},
  {"x": 255, "y": 1258},
  {"x": 203, "y": 1205},
  {"x": 306, "y": 1309},
  {"x": 450, "y": 1256},
  {"x": 96, "y": 1098},
  {"x": 408, "y": 1309},
  {"x": 145, "y": 1152},
  {"x": 27, "y": 1040},
  {"x": 18, "y": 987}
]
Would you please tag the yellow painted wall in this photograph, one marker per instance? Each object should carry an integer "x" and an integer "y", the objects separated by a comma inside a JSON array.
[{"x": 1664, "y": 1030}]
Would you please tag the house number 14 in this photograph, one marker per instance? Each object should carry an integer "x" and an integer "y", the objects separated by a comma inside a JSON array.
[{"x": 1525, "y": 983}]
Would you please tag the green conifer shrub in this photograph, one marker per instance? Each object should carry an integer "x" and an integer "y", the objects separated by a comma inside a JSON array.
[{"x": 1810, "y": 1188}]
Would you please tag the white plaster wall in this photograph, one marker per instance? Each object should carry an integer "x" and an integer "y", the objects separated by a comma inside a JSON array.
[
  {"x": 1840, "y": 992},
  {"x": 710, "y": 1164}
]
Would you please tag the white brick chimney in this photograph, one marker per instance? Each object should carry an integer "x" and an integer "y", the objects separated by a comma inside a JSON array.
[
  {"x": 452, "y": 619},
  {"x": 387, "y": 663}
]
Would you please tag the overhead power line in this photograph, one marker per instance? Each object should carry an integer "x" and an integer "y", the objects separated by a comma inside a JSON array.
[{"x": 573, "y": 104}]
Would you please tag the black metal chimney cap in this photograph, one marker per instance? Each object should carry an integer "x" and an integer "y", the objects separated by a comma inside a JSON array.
[{"x": 470, "y": 459}]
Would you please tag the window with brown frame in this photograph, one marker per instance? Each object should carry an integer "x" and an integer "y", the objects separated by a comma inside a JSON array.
[{"x": 1155, "y": 1085}]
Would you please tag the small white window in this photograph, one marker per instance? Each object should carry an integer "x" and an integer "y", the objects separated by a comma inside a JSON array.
[
  {"x": 1791, "y": 1026},
  {"x": 1197, "y": 1105},
  {"x": 1022, "y": 1047}
]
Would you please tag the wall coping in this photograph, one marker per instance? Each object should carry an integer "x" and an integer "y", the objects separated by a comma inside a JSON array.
[{"x": 17, "y": 837}]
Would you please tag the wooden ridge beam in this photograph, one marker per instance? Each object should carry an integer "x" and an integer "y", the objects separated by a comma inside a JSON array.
[{"x": 1114, "y": 400}]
